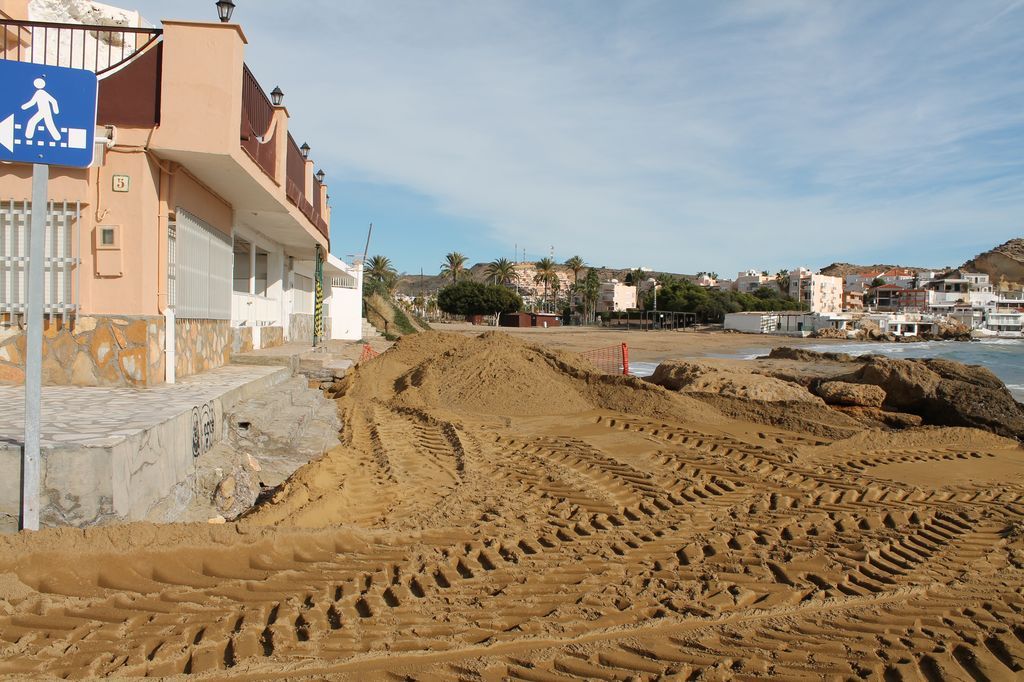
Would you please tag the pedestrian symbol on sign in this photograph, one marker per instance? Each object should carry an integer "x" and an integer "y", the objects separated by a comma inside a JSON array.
[{"x": 46, "y": 106}]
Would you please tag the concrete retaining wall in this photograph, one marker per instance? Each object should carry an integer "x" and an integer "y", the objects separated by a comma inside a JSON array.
[{"x": 88, "y": 485}]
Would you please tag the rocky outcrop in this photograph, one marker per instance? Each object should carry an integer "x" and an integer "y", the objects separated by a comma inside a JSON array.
[
  {"x": 845, "y": 393},
  {"x": 787, "y": 353},
  {"x": 944, "y": 393},
  {"x": 1004, "y": 264},
  {"x": 699, "y": 377}
]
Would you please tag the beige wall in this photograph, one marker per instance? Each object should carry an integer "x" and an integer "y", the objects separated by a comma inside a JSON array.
[
  {"x": 136, "y": 215},
  {"x": 14, "y": 9},
  {"x": 190, "y": 195},
  {"x": 201, "y": 87}
]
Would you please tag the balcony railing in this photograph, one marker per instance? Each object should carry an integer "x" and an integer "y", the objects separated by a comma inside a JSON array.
[
  {"x": 317, "y": 215},
  {"x": 295, "y": 173},
  {"x": 257, "y": 134},
  {"x": 96, "y": 48}
]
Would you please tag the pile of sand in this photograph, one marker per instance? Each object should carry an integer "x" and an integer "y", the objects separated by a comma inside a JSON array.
[
  {"x": 492, "y": 374},
  {"x": 498, "y": 510}
]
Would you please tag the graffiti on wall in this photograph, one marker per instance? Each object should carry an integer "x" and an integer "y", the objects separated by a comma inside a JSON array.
[{"x": 203, "y": 428}]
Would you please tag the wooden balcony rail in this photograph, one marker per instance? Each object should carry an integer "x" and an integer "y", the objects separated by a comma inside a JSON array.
[
  {"x": 316, "y": 215},
  {"x": 257, "y": 133},
  {"x": 295, "y": 173},
  {"x": 97, "y": 48}
]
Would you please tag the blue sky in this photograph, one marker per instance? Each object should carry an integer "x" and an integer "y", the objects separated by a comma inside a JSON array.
[{"x": 675, "y": 135}]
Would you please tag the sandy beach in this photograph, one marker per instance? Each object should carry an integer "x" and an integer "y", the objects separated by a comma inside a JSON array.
[
  {"x": 497, "y": 510},
  {"x": 645, "y": 346}
]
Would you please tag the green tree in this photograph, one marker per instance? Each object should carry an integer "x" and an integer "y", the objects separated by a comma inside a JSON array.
[
  {"x": 782, "y": 280},
  {"x": 545, "y": 274},
  {"x": 380, "y": 271},
  {"x": 475, "y": 298},
  {"x": 502, "y": 271},
  {"x": 453, "y": 266},
  {"x": 711, "y": 305},
  {"x": 575, "y": 264},
  {"x": 590, "y": 291},
  {"x": 636, "y": 276}
]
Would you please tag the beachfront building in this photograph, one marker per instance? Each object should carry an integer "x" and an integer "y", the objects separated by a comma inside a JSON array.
[
  {"x": 860, "y": 281},
  {"x": 816, "y": 292},
  {"x": 749, "y": 281},
  {"x": 202, "y": 227},
  {"x": 904, "y": 324},
  {"x": 901, "y": 277},
  {"x": 894, "y": 298},
  {"x": 1008, "y": 323},
  {"x": 786, "y": 323},
  {"x": 616, "y": 296},
  {"x": 853, "y": 300},
  {"x": 958, "y": 287}
]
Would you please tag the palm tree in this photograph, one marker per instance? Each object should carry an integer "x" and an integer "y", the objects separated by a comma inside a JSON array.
[
  {"x": 591, "y": 291},
  {"x": 454, "y": 263},
  {"x": 637, "y": 276},
  {"x": 782, "y": 280},
  {"x": 575, "y": 264},
  {"x": 545, "y": 274},
  {"x": 381, "y": 270},
  {"x": 503, "y": 271}
]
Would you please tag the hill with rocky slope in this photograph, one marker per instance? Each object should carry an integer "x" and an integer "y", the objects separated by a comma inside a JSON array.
[{"x": 1004, "y": 261}]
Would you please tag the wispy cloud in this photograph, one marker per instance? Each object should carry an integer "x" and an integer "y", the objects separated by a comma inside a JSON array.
[{"x": 684, "y": 136}]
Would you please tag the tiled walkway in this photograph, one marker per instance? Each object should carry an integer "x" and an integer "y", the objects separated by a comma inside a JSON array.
[{"x": 104, "y": 416}]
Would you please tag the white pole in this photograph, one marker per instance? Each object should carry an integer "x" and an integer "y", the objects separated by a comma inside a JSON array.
[
  {"x": 34, "y": 350},
  {"x": 169, "y": 347}
]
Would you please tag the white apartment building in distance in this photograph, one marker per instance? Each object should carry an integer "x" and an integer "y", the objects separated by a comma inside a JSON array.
[
  {"x": 750, "y": 281},
  {"x": 820, "y": 293},
  {"x": 616, "y": 297}
]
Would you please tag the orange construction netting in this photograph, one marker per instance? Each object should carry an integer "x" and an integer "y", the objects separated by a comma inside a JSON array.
[
  {"x": 368, "y": 353},
  {"x": 611, "y": 360}
]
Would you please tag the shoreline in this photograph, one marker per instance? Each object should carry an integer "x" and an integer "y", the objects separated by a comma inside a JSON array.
[{"x": 649, "y": 348}]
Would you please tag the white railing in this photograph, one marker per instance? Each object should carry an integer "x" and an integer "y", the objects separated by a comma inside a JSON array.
[
  {"x": 61, "y": 257},
  {"x": 199, "y": 267},
  {"x": 249, "y": 310}
]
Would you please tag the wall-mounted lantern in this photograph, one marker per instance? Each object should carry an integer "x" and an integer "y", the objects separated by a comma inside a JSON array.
[
  {"x": 224, "y": 10},
  {"x": 277, "y": 96},
  {"x": 320, "y": 175},
  {"x": 305, "y": 150}
]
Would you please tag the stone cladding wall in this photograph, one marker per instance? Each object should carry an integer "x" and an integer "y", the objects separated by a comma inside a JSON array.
[
  {"x": 201, "y": 345},
  {"x": 89, "y": 350},
  {"x": 300, "y": 328},
  {"x": 271, "y": 336}
]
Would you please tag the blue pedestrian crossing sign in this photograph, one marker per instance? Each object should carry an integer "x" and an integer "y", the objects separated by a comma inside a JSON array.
[{"x": 47, "y": 114}]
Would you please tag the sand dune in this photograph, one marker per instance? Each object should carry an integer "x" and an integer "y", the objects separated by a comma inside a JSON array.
[{"x": 498, "y": 511}]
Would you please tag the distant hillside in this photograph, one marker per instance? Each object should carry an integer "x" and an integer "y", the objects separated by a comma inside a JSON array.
[
  {"x": 413, "y": 285},
  {"x": 1004, "y": 261},
  {"x": 844, "y": 269}
]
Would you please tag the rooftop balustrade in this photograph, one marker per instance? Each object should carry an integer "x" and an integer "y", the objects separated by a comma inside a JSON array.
[{"x": 100, "y": 49}]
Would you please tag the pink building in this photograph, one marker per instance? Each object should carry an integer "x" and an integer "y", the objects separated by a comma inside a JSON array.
[{"x": 201, "y": 228}]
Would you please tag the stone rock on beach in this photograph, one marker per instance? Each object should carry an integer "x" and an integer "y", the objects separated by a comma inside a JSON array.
[
  {"x": 699, "y": 377},
  {"x": 844, "y": 393},
  {"x": 941, "y": 392},
  {"x": 945, "y": 393}
]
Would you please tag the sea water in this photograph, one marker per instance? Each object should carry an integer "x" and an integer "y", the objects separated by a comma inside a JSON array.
[{"x": 1004, "y": 357}]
